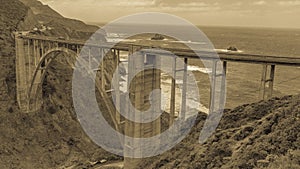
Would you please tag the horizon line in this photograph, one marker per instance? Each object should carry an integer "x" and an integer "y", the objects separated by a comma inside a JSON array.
[{"x": 100, "y": 24}]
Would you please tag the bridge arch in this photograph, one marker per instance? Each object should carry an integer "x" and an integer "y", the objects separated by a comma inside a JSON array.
[
  {"x": 40, "y": 74},
  {"x": 41, "y": 69}
]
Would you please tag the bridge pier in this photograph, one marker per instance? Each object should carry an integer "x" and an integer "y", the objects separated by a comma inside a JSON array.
[
  {"x": 173, "y": 93},
  {"x": 117, "y": 83},
  {"x": 267, "y": 81},
  {"x": 27, "y": 55},
  {"x": 215, "y": 105},
  {"x": 143, "y": 83},
  {"x": 184, "y": 90}
]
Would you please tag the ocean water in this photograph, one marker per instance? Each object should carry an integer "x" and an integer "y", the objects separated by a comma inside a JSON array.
[{"x": 267, "y": 41}]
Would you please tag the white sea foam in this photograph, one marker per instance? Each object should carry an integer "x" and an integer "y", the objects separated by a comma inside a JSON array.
[
  {"x": 189, "y": 42},
  {"x": 225, "y": 50},
  {"x": 199, "y": 69}
]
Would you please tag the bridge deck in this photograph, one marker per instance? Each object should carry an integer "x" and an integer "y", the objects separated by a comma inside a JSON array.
[{"x": 180, "y": 50}]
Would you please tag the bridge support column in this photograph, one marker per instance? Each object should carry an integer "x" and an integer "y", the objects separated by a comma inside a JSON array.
[
  {"x": 213, "y": 86},
  {"x": 21, "y": 74},
  {"x": 143, "y": 83},
  {"x": 173, "y": 94},
  {"x": 223, "y": 83},
  {"x": 28, "y": 53},
  {"x": 218, "y": 94},
  {"x": 184, "y": 90},
  {"x": 117, "y": 84},
  {"x": 267, "y": 81},
  {"x": 103, "y": 80},
  {"x": 25, "y": 65}
]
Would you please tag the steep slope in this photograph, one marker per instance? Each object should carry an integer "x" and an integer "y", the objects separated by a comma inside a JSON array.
[
  {"x": 11, "y": 14},
  {"x": 39, "y": 9},
  {"x": 57, "y": 24},
  {"x": 258, "y": 135},
  {"x": 45, "y": 14}
]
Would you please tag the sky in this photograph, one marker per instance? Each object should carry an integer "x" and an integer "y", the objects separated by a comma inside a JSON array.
[{"x": 249, "y": 13}]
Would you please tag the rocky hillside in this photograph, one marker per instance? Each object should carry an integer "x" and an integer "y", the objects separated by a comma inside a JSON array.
[
  {"x": 39, "y": 9},
  {"x": 259, "y": 135},
  {"x": 49, "y": 22},
  {"x": 11, "y": 14}
]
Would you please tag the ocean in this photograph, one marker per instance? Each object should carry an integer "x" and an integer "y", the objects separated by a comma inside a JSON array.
[{"x": 267, "y": 41}]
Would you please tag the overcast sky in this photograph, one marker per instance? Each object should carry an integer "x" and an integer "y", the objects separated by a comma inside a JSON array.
[{"x": 265, "y": 13}]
